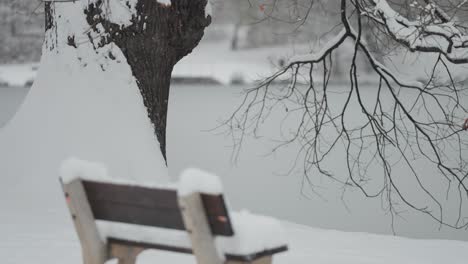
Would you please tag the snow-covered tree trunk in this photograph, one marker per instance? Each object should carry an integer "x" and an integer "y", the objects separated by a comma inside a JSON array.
[
  {"x": 152, "y": 35},
  {"x": 101, "y": 93}
]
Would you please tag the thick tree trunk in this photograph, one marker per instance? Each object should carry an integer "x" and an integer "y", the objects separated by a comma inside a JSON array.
[{"x": 158, "y": 36}]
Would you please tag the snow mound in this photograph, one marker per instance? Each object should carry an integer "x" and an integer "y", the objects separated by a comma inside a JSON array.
[
  {"x": 74, "y": 168},
  {"x": 81, "y": 104},
  {"x": 252, "y": 234},
  {"x": 195, "y": 180}
]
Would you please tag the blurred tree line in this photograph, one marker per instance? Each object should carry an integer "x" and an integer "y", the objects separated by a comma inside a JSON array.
[
  {"x": 21, "y": 31},
  {"x": 245, "y": 23},
  {"x": 259, "y": 23}
]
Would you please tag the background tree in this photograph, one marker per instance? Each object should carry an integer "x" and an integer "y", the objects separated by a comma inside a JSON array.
[{"x": 405, "y": 123}]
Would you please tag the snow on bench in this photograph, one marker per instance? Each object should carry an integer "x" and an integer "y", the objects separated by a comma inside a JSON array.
[{"x": 120, "y": 219}]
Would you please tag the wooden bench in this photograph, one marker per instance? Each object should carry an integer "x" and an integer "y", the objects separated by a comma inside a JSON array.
[{"x": 202, "y": 216}]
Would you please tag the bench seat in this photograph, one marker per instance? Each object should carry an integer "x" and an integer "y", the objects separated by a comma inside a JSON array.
[
  {"x": 116, "y": 244},
  {"x": 238, "y": 247}
]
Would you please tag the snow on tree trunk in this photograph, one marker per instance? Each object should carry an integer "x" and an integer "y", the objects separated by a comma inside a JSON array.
[
  {"x": 102, "y": 91},
  {"x": 153, "y": 36}
]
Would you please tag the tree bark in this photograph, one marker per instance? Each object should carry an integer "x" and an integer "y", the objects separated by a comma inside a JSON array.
[{"x": 159, "y": 36}]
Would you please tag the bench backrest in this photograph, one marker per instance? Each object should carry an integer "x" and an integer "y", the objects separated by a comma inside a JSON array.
[{"x": 151, "y": 207}]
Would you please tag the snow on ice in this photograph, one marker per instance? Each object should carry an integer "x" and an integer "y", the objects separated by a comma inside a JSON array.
[
  {"x": 252, "y": 233},
  {"x": 74, "y": 168}
]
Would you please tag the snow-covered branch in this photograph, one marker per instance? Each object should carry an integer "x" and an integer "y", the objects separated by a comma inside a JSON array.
[
  {"x": 400, "y": 121},
  {"x": 425, "y": 36}
]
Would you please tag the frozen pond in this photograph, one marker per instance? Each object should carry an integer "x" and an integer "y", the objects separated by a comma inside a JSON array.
[
  {"x": 257, "y": 181},
  {"x": 10, "y": 99}
]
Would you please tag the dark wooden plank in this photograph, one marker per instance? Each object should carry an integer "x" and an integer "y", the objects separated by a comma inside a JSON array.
[
  {"x": 151, "y": 207},
  {"x": 217, "y": 214},
  {"x": 124, "y": 213},
  {"x": 255, "y": 256},
  {"x": 134, "y": 205},
  {"x": 149, "y": 246},
  {"x": 245, "y": 258},
  {"x": 134, "y": 195}
]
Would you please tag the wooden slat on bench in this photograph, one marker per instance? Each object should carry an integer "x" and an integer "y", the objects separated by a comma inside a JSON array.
[
  {"x": 134, "y": 205},
  {"x": 217, "y": 214},
  {"x": 119, "y": 242},
  {"x": 151, "y": 207},
  {"x": 254, "y": 256},
  {"x": 241, "y": 258}
]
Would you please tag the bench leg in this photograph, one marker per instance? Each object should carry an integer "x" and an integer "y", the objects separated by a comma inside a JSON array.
[
  {"x": 196, "y": 223},
  {"x": 125, "y": 254},
  {"x": 128, "y": 260},
  {"x": 264, "y": 260},
  {"x": 93, "y": 248}
]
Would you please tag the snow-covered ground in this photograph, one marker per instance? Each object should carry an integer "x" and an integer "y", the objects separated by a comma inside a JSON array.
[
  {"x": 26, "y": 241},
  {"x": 36, "y": 227},
  {"x": 18, "y": 75},
  {"x": 77, "y": 108},
  {"x": 215, "y": 60},
  {"x": 46, "y": 235}
]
